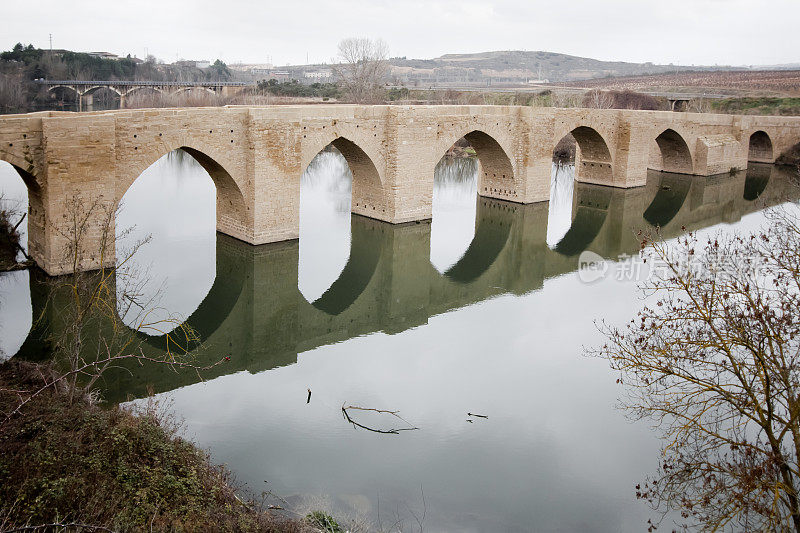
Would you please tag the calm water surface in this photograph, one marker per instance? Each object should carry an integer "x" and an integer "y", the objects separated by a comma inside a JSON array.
[{"x": 478, "y": 311}]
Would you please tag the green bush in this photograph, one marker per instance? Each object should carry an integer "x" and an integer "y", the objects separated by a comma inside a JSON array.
[
  {"x": 324, "y": 521},
  {"x": 297, "y": 89}
]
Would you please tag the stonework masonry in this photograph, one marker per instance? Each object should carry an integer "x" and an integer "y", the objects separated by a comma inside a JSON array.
[{"x": 256, "y": 157}]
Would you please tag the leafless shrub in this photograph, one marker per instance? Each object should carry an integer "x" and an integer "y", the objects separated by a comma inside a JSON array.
[
  {"x": 93, "y": 307},
  {"x": 13, "y": 97},
  {"x": 154, "y": 99},
  {"x": 599, "y": 99},
  {"x": 715, "y": 363},
  {"x": 633, "y": 100}
]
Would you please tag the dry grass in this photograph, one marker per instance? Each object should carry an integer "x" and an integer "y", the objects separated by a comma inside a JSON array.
[{"x": 62, "y": 462}]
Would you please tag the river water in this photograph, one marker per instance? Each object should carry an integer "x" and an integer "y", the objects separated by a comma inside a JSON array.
[{"x": 482, "y": 310}]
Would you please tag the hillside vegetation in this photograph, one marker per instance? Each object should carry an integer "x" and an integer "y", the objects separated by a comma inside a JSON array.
[{"x": 517, "y": 66}]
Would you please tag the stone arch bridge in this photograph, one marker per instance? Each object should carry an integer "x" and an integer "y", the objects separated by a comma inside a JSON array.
[{"x": 256, "y": 156}]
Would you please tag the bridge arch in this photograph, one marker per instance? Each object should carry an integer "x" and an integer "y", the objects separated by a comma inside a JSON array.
[
  {"x": 136, "y": 90},
  {"x": 95, "y": 88},
  {"x": 593, "y": 161},
  {"x": 496, "y": 177},
  {"x": 760, "y": 148},
  {"x": 464, "y": 232},
  {"x": 72, "y": 88},
  {"x": 25, "y": 169},
  {"x": 30, "y": 181},
  {"x": 472, "y": 165},
  {"x": 65, "y": 96},
  {"x": 369, "y": 196},
  {"x": 340, "y": 178},
  {"x": 232, "y": 214},
  {"x": 180, "y": 201},
  {"x": 674, "y": 154},
  {"x": 34, "y": 208}
]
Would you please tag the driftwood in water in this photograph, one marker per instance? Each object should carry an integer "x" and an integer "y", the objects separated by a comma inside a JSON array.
[{"x": 394, "y": 431}]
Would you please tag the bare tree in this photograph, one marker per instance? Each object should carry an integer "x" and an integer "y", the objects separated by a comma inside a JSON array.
[
  {"x": 715, "y": 362},
  {"x": 13, "y": 97},
  {"x": 363, "y": 65}
]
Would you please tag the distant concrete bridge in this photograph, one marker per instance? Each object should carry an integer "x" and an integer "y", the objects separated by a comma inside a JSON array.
[
  {"x": 84, "y": 90},
  {"x": 256, "y": 156}
]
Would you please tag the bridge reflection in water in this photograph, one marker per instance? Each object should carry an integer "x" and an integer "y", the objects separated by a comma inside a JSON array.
[{"x": 255, "y": 313}]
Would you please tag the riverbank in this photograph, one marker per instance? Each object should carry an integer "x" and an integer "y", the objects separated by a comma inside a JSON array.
[{"x": 111, "y": 467}]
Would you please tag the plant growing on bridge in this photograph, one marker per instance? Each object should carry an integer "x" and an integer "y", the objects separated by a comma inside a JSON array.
[{"x": 715, "y": 363}]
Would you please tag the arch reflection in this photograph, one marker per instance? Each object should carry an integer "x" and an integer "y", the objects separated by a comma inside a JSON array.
[
  {"x": 492, "y": 226},
  {"x": 672, "y": 192},
  {"x": 256, "y": 315},
  {"x": 365, "y": 250},
  {"x": 756, "y": 180},
  {"x": 590, "y": 205}
]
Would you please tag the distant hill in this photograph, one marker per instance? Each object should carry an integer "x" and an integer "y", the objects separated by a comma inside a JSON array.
[{"x": 516, "y": 66}]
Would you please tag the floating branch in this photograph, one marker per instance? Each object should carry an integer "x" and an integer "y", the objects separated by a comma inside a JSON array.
[
  {"x": 475, "y": 414},
  {"x": 394, "y": 431}
]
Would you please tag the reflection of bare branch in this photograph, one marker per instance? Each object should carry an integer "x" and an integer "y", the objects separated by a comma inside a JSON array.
[
  {"x": 394, "y": 431},
  {"x": 420, "y": 521}
]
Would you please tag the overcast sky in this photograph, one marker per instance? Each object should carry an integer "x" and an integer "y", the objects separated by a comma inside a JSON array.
[{"x": 738, "y": 32}]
